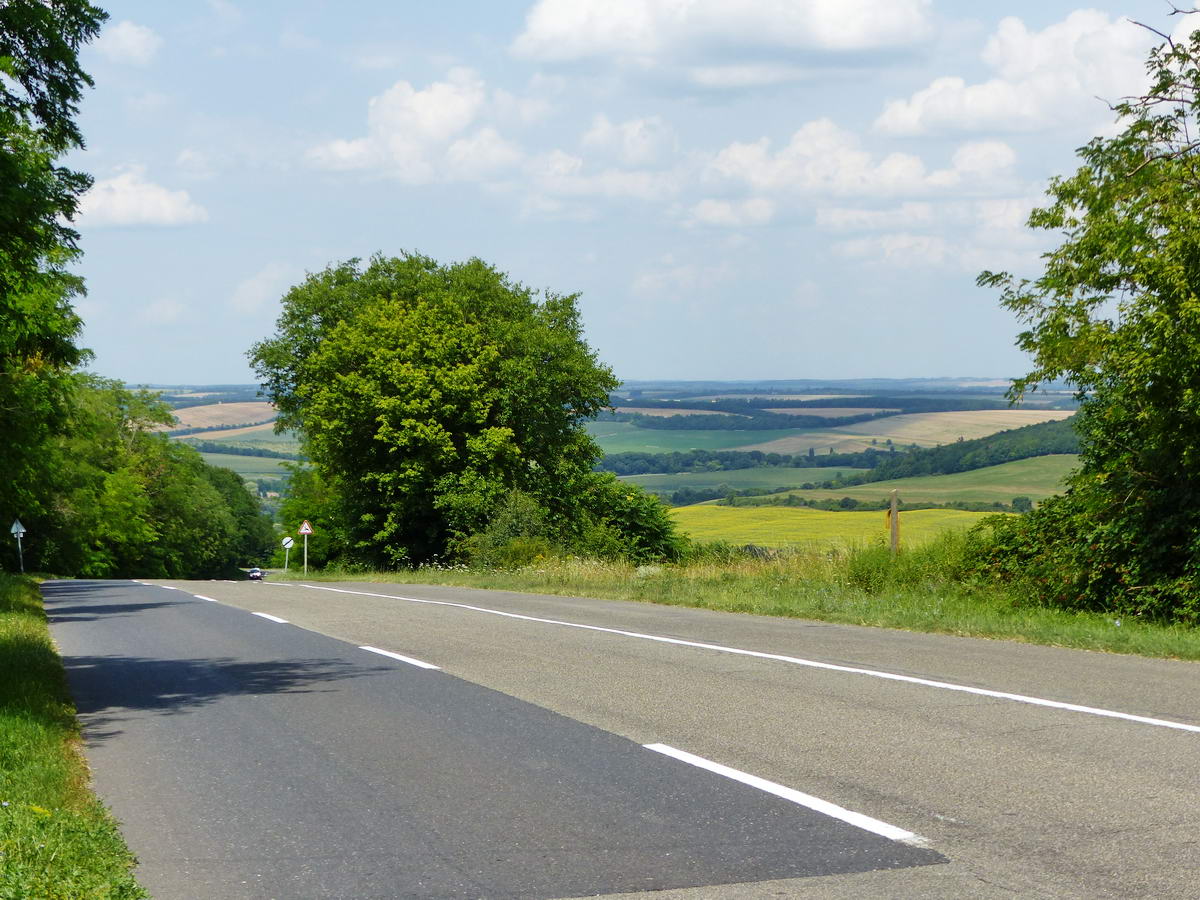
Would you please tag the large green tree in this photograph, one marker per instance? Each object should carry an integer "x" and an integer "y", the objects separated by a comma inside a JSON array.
[
  {"x": 1116, "y": 313},
  {"x": 41, "y": 84},
  {"x": 426, "y": 393}
]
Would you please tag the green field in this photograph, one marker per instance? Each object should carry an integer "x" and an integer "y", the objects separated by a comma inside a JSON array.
[
  {"x": 762, "y": 478},
  {"x": 622, "y": 437},
  {"x": 249, "y": 467},
  {"x": 773, "y": 526},
  {"x": 1035, "y": 478}
]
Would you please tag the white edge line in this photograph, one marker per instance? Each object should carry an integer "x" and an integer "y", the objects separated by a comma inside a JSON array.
[
  {"x": 795, "y": 660},
  {"x": 858, "y": 820},
  {"x": 407, "y": 659},
  {"x": 167, "y": 587},
  {"x": 202, "y": 597},
  {"x": 271, "y": 618}
]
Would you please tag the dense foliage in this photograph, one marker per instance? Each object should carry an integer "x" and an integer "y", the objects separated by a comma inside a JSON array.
[
  {"x": 1116, "y": 312},
  {"x": 40, "y": 87},
  {"x": 427, "y": 394},
  {"x": 117, "y": 498}
]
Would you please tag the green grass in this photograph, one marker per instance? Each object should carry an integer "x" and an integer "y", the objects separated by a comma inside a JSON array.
[
  {"x": 771, "y": 526},
  {"x": 1035, "y": 478},
  {"x": 764, "y": 478},
  {"x": 249, "y": 467},
  {"x": 56, "y": 840},
  {"x": 922, "y": 590},
  {"x": 622, "y": 437}
]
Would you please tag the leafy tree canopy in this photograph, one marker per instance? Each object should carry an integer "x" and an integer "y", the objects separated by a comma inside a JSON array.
[
  {"x": 1116, "y": 313},
  {"x": 426, "y": 393}
]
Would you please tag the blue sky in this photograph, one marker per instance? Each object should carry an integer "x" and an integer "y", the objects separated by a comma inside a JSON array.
[{"x": 738, "y": 189}]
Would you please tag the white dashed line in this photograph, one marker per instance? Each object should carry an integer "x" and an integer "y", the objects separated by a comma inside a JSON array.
[
  {"x": 271, "y": 618},
  {"x": 202, "y": 597},
  {"x": 793, "y": 660},
  {"x": 405, "y": 659},
  {"x": 858, "y": 820}
]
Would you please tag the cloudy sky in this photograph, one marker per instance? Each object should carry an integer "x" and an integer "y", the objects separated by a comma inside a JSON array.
[{"x": 739, "y": 189}]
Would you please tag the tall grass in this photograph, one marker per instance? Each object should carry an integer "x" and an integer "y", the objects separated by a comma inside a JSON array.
[
  {"x": 56, "y": 840},
  {"x": 925, "y": 588}
]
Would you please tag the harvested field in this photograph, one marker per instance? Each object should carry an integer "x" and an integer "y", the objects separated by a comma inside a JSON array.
[
  {"x": 266, "y": 428},
  {"x": 922, "y": 429},
  {"x": 216, "y": 414}
]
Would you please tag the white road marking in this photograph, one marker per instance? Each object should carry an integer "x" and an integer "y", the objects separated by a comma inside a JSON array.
[
  {"x": 858, "y": 820},
  {"x": 272, "y": 618},
  {"x": 407, "y": 659},
  {"x": 794, "y": 660},
  {"x": 202, "y": 597},
  {"x": 167, "y": 587}
]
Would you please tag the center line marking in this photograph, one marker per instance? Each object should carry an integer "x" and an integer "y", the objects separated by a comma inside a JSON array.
[
  {"x": 406, "y": 659},
  {"x": 272, "y": 618},
  {"x": 202, "y": 597},
  {"x": 858, "y": 820},
  {"x": 794, "y": 660}
]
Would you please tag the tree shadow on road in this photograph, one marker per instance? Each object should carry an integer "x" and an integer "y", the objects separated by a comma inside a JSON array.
[{"x": 111, "y": 689}]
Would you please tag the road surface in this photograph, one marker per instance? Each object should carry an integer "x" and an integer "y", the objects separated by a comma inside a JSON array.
[{"x": 357, "y": 740}]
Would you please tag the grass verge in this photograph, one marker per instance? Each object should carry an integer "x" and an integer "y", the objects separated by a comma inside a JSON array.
[
  {"x": 56, "y": 839},
  {"x": 923, "y": 589}
]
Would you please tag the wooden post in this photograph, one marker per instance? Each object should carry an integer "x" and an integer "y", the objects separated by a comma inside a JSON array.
[{"x": 894, "y": 521}]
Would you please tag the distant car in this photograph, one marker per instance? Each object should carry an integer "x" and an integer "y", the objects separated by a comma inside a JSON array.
[{"x": 256, "y": 574}]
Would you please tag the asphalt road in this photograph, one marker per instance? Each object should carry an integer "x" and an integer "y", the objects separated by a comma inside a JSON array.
[{"x": 249, "y": 757}]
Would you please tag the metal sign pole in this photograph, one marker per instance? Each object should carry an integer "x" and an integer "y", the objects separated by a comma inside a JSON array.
[
  {"x": 286, "y": 551},
  {"x": 306, "y": 555},
  {"x": 18, "y": 531}
]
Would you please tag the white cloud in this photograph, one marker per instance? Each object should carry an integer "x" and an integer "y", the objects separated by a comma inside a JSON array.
[
  {"x": 129, "y": 199},
  {"x": 481, "y": 154},
  {"x": 821, "y": 157},
  {"x": 908, "y": 215},
  {"x": 293, "y": 39},
  {"x": 753, "y": 211},
  {"x": 634, "y": 142},
  {"x": 128, "y": 43},
  {"x": 900, "y": 249},
  {"x": 1043, "y": 78},
  {"x": 164, "y": 312},
  {"x": 647, "y": 33},
  {"x": 560, "y": 30},
  {"x": 421, "y": 135},
  {"x": 672, "y": 280},
  {"x": 195, "y": 164},
  {"x": 262, "y": 288}
]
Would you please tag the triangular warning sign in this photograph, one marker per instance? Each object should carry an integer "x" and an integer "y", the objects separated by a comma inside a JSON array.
[{"x": 305, "y": 528}]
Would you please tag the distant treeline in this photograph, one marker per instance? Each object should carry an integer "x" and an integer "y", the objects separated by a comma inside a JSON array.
[
  {"x": 755, "y": 414},
  {"x": 749, "y": 406},
  {"x": 754, "y": 420},
  {"x": 638, "y": 463},
  {"x": 214, "y": 447}
]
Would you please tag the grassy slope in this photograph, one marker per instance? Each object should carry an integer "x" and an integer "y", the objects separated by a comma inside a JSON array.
[
  {"x": 770, "y": 526},
  {"x": 250, "y": 467},
  {"x": 56, "y": 841},
  {"x": 761, "y": 478},
  {"x": 1035, "y": 478}
]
